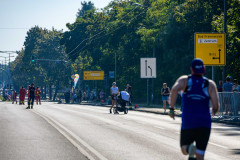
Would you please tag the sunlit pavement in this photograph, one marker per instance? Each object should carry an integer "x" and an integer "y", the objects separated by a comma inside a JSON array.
[{"x": 56, "y": 130}]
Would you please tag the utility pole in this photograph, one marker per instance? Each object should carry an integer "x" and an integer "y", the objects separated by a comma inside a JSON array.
[
  {"x": 225, "y": 31},
  {"x": 2, "y": 74},
  {"x": 115, "y": 67},
  {"x": 154, "y": 51}
]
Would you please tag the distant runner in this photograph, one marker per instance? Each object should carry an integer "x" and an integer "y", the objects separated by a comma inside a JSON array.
[
  {"x": 196, "y": 117},
  {"x": 22, "y": 94},
  {"x": 38, "y": 95},
  {"x": 31, "y": 94},
  {"x": 114, "y": 92}
]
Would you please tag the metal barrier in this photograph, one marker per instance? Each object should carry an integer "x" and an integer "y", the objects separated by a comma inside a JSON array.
[{"x": 229, "y": 104}]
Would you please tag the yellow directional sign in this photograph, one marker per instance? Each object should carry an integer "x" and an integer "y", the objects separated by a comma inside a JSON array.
[
  {"x": 211, "y": 48},
  {"x": 93, "y": 75}
]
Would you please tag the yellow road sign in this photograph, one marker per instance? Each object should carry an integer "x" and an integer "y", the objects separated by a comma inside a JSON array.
[
  {"x": 211, "y": 48},
  {"x": 93, "y": 75}
]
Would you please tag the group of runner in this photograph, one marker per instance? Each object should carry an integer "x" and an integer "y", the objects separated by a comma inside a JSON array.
[
  {"x": 32, "y": 94},
  {"x": 197, "y": 91}
]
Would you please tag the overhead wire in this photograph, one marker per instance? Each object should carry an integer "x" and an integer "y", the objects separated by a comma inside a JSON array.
[
  {"x": 98, "y": 33},
  {"x": 110, "y": 31},
  {"x": 69, "y": 53}
]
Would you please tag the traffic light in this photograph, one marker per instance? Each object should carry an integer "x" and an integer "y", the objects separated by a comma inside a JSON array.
[{"x": 33, "y": 58}]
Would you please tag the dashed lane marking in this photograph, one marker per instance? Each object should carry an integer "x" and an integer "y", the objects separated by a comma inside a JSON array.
[{"x": 217, "y": 145}]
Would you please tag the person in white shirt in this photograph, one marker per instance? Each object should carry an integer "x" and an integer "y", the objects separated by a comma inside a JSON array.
[{"x": 114, "y": 92}]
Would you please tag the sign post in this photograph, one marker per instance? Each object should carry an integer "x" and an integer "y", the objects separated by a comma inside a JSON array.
[
  {"x": 211, "y": 48},
  {"x": 111, "y": 74},
  {"x": 148, "y": 70},
  {"x": 93, "y": 75}
]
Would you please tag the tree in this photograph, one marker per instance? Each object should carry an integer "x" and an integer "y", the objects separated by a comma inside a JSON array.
[
  {"x": 86, "y": 6},
  {"x": 44, "y": 45}
]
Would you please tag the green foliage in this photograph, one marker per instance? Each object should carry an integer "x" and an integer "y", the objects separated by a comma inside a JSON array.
[
  {"x": 165, "y": 27},
  {"x": 41, "y": 44},
  {"x": 132, "y": 32},
  {"x": 86, "y": 6}
]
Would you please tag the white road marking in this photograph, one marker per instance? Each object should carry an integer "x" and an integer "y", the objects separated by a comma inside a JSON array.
[
  {"x": 62, "y": 130},
  {"x": 159, "y": 127},
  {"x": 217, "y": 145},
  {"x": 177, "y": 132}
]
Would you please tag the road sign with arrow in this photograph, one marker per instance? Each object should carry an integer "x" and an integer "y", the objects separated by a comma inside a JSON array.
[
  {"x": 148, "y": 67},
  {"x": 211, "y": 48}
]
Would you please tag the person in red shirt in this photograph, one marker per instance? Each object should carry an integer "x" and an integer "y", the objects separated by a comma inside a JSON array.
[
  {"x": 14, "y": 97},
  {"x": 38, "y": 95},
  {"x": 22, "y": 94}
]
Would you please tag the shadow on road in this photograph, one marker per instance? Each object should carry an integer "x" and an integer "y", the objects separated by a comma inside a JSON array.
[{"x": 236, "y": 151}]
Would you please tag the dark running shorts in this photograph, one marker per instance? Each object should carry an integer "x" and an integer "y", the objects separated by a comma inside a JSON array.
[
  {"x": 114, "y": 97},
  {"x": 199, "y": 135}
]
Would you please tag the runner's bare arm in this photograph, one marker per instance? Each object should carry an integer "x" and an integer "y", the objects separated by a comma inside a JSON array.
[
  {"x": 179, "y": 85},
  {"x": 214, "y": 96}
]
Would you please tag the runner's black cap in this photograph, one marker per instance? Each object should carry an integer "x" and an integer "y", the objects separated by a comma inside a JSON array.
[{"x": 198, "y": 66}]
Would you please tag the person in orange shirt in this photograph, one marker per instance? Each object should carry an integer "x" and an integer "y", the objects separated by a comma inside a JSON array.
[
  {"x": 38, "y": 95},
  {"x": 22, "y": 94}
]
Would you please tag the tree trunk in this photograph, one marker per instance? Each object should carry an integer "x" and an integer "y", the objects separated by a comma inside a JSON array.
[
  {"x": 50, "y": 92},
  {"x": 56, "y": 90},
  {"x": 45, "y": 92}
]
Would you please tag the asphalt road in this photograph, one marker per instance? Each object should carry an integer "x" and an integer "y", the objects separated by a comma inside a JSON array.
[{"x": 60, "y": 131}]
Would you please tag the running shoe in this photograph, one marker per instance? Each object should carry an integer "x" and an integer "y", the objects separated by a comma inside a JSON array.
[
  {"x": 191, "y": 151},
  {"x": 110, "y": 111}
]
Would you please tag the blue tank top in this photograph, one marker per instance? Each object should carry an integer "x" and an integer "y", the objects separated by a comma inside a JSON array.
[{"x": 195, "y": 103}]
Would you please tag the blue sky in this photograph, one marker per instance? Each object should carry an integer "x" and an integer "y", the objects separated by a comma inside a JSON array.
[{"x": 18, "y": 16}]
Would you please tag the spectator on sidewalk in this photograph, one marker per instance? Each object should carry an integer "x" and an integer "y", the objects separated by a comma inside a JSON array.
[
  {"x": 236, "y": 96},
  {"x": 129, "y": 90},
  {"x": 101, "y": 96},
  {"x": 220, "y": 86},
  {"x": 74, "y": 98},
  {"x": 84, "y": 96},
  {"x": 79, "y": 96},
  {"x": 227, "y": 89},
  {"x": 235, "y": 87},
  {"x": 67, "y": 97},
  {"x": 165, "y": 91}
]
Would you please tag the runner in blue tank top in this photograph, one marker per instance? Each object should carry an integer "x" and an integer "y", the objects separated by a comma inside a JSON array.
[{"x": 196, "y": 117}]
